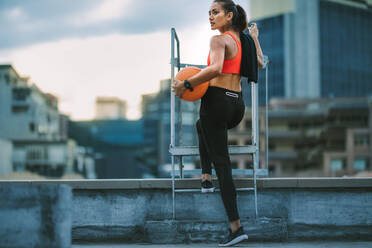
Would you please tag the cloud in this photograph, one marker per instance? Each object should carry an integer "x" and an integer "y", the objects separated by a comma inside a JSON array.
[
  {"x": 28, "y": 22},
  {"x": 79, "y": 50},
  {"x": 106, "y": 11}
]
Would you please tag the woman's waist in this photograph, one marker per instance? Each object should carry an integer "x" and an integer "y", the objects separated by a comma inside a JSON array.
[{"x": 227, "y": 81}]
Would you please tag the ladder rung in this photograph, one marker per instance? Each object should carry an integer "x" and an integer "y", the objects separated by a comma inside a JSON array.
[
  {"x": 194, "y": 150},
  {"x": 216, "y": 190},
  {"x": 245, "y": 172}
]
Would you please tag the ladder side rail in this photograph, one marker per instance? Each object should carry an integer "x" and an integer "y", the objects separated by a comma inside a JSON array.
[
  {"x": 172, "y": 113},
  {"x": 266, "y": 62},
  {"x": 255, "y": 138},
  {"x": 179, "y": 106}
]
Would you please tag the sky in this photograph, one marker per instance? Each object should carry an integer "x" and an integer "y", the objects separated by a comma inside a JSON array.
[{"x": 78, "y": 50}]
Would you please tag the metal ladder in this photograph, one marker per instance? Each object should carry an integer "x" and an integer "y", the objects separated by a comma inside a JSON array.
[{"x": 180, "y": 151}]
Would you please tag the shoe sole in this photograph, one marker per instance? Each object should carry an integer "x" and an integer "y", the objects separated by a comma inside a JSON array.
[
  {"x": 235, "y": 241},
  {"x": 204, "y": 190}
]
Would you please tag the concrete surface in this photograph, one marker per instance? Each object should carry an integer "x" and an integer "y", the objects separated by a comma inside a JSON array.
[
  {"x": 250, "y": 245},
  {"x": 140, "y": 211},
  {"x": 293, "y": 211},
  {"x": 35, "y": 216}
]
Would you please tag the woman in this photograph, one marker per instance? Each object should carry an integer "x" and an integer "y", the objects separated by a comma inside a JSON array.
[{"x": 222, "y": 106}]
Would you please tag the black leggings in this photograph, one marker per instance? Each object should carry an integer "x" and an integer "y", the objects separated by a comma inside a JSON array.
[{"x": 220, "y": 110}]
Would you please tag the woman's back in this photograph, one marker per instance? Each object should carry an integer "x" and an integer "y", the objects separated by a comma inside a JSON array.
[{"x": 230, "y": 77}]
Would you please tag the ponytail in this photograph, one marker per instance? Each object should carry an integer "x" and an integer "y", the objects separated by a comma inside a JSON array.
[{"x": 239, "y": 20}]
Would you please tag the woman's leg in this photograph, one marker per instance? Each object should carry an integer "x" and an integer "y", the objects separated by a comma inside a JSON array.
[
  {"x": 206, "y": 163},
  {"x": 215, "y": 136}
]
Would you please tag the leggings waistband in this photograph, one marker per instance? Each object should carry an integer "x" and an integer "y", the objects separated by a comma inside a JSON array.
[{"x": 225, "y": 91}]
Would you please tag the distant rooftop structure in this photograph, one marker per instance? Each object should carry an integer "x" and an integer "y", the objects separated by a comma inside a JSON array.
[{"x": 110, "y": 108}]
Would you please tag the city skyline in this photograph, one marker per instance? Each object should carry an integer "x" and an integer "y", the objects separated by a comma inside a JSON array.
[{"x": 101, "y": 48}]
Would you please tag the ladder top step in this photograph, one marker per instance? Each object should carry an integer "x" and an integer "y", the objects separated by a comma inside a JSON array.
[
  {"x": 244, "y": 172},
  {"x": 216, "y": 190},
  {"x": 194, "y": 150}
]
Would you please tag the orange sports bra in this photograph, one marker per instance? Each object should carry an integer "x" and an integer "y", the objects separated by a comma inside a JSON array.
[{"x": 231, "y": 65}]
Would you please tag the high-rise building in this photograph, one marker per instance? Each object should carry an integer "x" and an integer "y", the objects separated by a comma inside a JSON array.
[
  {"x": 110, "y": 108},
  {"x": 156, "y": 121},
  {"x": 317, "y": 48}
]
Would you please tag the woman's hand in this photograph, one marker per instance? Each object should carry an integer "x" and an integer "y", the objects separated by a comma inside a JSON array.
[
  {"x": 253, "y": 30},
  {"x": 178, "y": 87}
]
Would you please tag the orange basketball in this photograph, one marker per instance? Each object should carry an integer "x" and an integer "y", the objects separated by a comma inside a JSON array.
[{"x": 198, "y": 91}]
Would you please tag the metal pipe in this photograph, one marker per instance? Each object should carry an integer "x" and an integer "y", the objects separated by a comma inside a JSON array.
[
  {"x": 255, "y": 137},
  {"x": 267, "y": 113},
  {"x": 172, "y": 141}
]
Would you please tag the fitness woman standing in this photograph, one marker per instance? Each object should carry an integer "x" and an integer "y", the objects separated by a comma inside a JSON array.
[{"x": 222, "y": 106}]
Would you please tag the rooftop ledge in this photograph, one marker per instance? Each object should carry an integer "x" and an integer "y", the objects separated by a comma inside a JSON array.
[{"x": 194, "y": 183}]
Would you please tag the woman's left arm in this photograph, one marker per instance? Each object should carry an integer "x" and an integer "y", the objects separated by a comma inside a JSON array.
[{"x": 253, "y": 30}]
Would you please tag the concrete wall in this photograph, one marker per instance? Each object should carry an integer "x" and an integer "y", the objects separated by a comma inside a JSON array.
[
  {"x": 286, "y": 212},
  {"x": 35, "y": 215},
  {"x": 140, "y": 211},
  {"x": 289, "y": 209}
]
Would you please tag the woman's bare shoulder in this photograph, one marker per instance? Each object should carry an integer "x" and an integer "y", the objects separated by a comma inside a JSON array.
[{"x": 218, "y": 40}]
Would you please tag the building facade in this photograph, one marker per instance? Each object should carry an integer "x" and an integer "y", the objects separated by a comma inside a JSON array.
[
  {"x": 26, "y": 112},
  {"x": 317, "y": 48},
  {"x": 37, "y": 133},
  {"x": 311, "y": 137}
]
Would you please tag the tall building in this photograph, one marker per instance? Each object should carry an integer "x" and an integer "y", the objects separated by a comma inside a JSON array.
[
  {"x": 156, "y": 119},
  {"x": 110, "y": 108},
  {"x": 317, "y": 48}
]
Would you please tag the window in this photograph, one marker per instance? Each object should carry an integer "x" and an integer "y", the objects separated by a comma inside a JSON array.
[
  {"x": 361, "y": 140},
  {"x": 233, "y": 142},
  {"x": 248, "y": 165},
  {"x": 337, "y": 164},
  {"x": 20, "y": 94},
  {"x": 234, "y": 165},
  {"x": 19, "y": 109},
  {"x": 32, "y": 127},
  {"x": 360, "y": 164}
]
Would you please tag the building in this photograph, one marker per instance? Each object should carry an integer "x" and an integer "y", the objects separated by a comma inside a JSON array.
[
  {"x": 33, "y": 132},
  {"x": 311, "y": 137},
  {"x": 317, "y": 49},
  {"x": 110, "y": 108},
  {"x": 156, "y": 118},
  {"x": 26, "y": 113},
  {"x": 117, "y": 145}
]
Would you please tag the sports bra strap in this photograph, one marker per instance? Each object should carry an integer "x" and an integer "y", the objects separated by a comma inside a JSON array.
[{"x": 233, "y": 36}]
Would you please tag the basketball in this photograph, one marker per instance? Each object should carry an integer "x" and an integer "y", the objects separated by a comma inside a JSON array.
[{"x": 198, "y": 91}]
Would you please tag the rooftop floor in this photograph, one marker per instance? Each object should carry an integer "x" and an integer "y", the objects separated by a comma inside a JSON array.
[{"x": 322, "y": 244}]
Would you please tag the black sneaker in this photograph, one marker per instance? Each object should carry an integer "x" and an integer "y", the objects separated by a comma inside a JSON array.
[
  {"x": 207, "y": 187},
  {"x": 234, "y": 238}
]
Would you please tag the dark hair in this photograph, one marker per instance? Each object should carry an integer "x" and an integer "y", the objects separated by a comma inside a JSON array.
[{"x": 239, "y": 21}]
